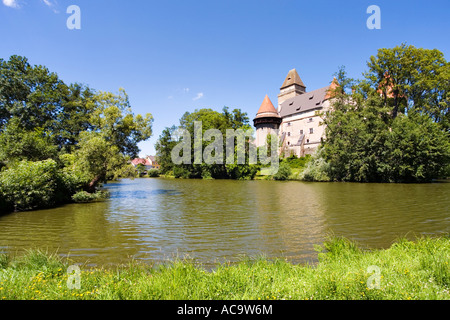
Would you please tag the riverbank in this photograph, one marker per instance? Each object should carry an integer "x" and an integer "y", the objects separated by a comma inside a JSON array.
[{"x": 407, "y": 270}]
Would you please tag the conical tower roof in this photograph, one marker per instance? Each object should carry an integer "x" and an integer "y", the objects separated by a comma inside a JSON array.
[
  {"x": 293, "y": 78},
  {"x": 267, "y": 109}
]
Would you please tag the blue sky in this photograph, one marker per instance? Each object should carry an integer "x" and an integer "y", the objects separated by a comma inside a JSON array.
[{"x": 178, "y": 56}]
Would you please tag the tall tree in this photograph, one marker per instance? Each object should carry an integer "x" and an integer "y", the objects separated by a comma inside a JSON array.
[
  {"x": 97, "y": 158},
  {"x": 114, "y": 118},
  {"x": 32, "y": 94},
  {"x": 166, "y": 142},
  {"x": 366, "y": 143},
  {"x": 413, "y": 80},
  {"x": 214, "y": 148}
]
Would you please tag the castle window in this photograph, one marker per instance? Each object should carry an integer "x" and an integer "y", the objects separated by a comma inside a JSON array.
[
  {"x": 289, "y": 134},
  {"x": 311, "y": 130},
  {"x": 310, "y": 120},
  {"x": 301, "y": 131}
]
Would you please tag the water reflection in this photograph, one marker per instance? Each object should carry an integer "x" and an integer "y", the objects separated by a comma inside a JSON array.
[{"x": 159, "y": 219}]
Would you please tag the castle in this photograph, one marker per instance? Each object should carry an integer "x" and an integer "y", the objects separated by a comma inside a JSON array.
[{"x": 296, "y": 121}]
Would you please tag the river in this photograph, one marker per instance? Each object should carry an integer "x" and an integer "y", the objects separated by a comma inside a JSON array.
[{"x": 212, "y": 221}]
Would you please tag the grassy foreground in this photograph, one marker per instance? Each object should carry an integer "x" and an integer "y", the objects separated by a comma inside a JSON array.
[{"x": 405, "y": 271}]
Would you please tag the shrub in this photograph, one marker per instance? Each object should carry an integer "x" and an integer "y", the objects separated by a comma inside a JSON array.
[
  {"x": 284, "y": 172},
  {"x": 180, "y": 172},
  {"x": 153, "y": 173},
  {"x": 298, "y": 163},
  {"x": 317, "y": 169},
  {"x": 32, "y": 185},
  {"x": 84, "y": 197},
  {"x": 72, "y": 176}
]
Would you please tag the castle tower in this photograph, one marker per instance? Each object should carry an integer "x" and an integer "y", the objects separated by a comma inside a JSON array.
[
  {"x": 292, "y": 86},
  {"x": 267, "y": 121}
]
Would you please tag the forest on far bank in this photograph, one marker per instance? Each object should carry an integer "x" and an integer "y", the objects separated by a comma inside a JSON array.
[{"x": 58, "y": 141}]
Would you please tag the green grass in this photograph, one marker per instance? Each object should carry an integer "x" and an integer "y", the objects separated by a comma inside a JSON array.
[{"x": 416, "y": 270}]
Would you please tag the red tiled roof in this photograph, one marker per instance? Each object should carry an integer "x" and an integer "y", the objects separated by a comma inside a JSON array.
[
  {"x": 332, "y": 88},
  {"x": 145, "y": 162},
  {"x": 138, "y": 161},
  {"x": 267, "y": 109}
]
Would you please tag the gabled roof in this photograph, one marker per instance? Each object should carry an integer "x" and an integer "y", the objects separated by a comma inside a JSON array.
[
  {"x": 305, "y": 102},
  {"x": 267, "y": 109},
  {"x": 292, "y": 78}
]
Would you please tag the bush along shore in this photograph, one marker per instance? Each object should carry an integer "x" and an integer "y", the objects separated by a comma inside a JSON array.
[{"x": 407, "y": 270}]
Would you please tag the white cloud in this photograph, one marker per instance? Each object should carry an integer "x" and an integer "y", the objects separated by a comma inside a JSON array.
[
  {"x": 11, "y": 3},
  {"x": 51, "y": 5},
  {"x": 15, "y": 4},
  {"x": 186, "y": 90},
  {"x": 199, "y": 96}
]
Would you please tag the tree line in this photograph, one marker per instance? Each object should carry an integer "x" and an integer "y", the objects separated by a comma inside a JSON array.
[
  {"x": 392, "y": 125},
  {"x": 209, "y": 119},
  {"x": 58, "y": 139}
]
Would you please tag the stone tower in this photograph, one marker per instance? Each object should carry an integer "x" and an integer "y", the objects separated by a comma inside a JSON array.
[
  {"x": 292, "y": 86},
  {"x": 267, "y": 121}
]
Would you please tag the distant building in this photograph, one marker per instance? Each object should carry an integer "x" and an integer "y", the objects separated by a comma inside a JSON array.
[
  {"x": 295, "y": 121},
  {"x": 153, "y": 162},
  {"x": 149, "y": 162}
]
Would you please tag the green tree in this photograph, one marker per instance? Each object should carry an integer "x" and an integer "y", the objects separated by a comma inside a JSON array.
[
  {"x": 98, "y": 159},
  {"x": 284, "y": 172},
  {"x": 220, "y": 169},
  {"x": 90, "y": 135},
  {"x": 412, "y": 80},
  {"x": 140, "y": 169},
  {"x": 36, "y": 99},
  {"x": 32, "y": 185},
  {"x": 367, "y": 143},
  {"x": 163, "y": 147},
  {"x": 114, "y": 118},
  {"x": 17, "y": 144},
  {"x": 32, "y": 94},
  {"x": 79, "y": 107},
  {"x": 416, "y": 150}
]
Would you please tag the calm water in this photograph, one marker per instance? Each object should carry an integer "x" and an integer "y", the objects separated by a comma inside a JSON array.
[{"x": 158, "y": 219}]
